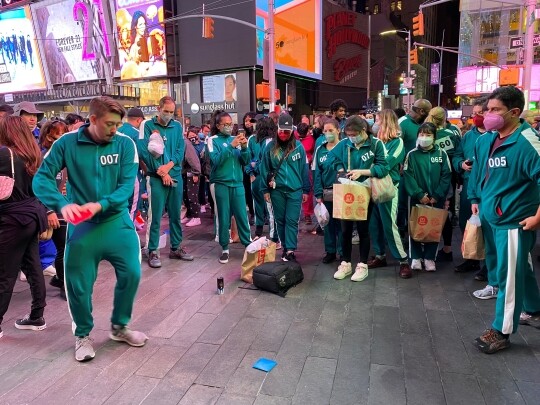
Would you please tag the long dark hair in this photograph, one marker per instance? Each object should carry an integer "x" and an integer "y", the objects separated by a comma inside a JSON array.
[
  {"x": 216, "y": 120},
  {"x": 51, "y": 127},
  {"x": 15, "y": 134},
  {"x": 281, "y": 148},
  {"x": 266, "y": 128},
  {"x": 249, "y": 131}
]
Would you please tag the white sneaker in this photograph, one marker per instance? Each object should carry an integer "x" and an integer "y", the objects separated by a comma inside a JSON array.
[
  {"x": 343, "y": 270},
  {"x": 355, "y": 238},
  {"x": 416, "y": 264},
  {"x": 360, "y": 273},
  {"x": 194, "y": 222},
  {"x": 185, "y": 220},
  {"x": 83, "y": 349},
  {"x": 216, "y": 239},
  {"x": 486, "y": 293},
  {"x": 430, "y": 265},
  {"x": 22, "y": 277},
  {"x": 203, "y": 209},
  {"x": 49, "y": 271}
]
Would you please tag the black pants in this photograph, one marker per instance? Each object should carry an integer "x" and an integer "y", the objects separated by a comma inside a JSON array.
[
  {"x": 191, "y": 197},
  {"x": 363, "y": 232},
  {"x": 447, "y": 229},
  {"x": 249, "y": 197},
  {"x": 59, "y": 240},
  {"x": 19, "y": 250},
  {"x": 202, "y": 190}
]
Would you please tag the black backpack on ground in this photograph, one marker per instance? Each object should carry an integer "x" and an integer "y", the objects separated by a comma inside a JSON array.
[{"x": 277, "y": 277}]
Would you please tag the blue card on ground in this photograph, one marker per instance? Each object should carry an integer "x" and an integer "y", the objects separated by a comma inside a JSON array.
[{"x": 264, "y": 364}]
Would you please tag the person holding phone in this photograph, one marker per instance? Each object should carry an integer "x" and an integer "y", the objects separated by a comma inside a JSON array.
[{"x": 228, "y": 155}]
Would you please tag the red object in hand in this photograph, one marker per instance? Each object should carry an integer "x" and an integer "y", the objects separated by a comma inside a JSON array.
[{"x": 81, "y": 218}]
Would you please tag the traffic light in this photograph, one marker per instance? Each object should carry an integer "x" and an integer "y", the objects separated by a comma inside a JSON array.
[
  {"x": 413, "y": 56},
  {"x": 208, "y": 28},
  {"x": 418, "y": 25}
]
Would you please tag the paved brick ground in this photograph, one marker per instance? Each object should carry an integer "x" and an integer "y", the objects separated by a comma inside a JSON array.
[{"x": 383, "y": 341}]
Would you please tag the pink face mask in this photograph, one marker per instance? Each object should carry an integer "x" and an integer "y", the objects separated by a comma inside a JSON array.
[{"x": 494, "y": 122}]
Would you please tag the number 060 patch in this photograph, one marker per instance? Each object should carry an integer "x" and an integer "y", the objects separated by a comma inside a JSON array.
[{"x": 106, "y": 160}]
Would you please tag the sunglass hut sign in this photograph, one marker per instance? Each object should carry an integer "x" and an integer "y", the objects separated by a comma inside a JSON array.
[{"x": 340, "y": 31}]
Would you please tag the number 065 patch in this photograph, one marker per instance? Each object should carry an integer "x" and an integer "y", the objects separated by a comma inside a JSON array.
[{"x": 106, "y": 160}]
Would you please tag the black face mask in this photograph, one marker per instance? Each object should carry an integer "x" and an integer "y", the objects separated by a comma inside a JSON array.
[
  {"x": 421, "y": 117},
  {"x": 193, "y": 140}
]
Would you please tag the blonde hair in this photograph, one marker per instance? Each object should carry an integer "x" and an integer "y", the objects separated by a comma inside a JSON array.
[
  {"x": 389, "y": 128},
  {"x": 437, "y": 116}
]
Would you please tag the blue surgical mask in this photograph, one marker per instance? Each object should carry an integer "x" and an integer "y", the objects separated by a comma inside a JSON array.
[
  {"x": 375, "y": 128},
  {"x": 201, "y": 136},
  {"x": 358, "y": 139},
  {"x": 330, "y": 137},
  {"x": 370, "y": 121}
]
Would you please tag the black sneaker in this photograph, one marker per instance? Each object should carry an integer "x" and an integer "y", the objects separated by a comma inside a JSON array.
[
  {"x": 481, "y": 275},
  {"x": 468, "y": 265},
  {"x": 442, "y": 256},
  {"x": 491, "y": 341},
  {"x": 30, "y": 324},
  {"x": 329, "y": 258},
  {"x": 56, "y": 282},
  {"x": 63, "y": 294},
  {"x": 289, "y": 257},
  {"x": 224, "y": 258}
]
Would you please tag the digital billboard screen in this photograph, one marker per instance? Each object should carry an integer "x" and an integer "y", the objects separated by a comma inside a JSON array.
[
  {"x": 217, "y": 88},
  {"x": 141, "y": 38},
  {"x": 73, "y": 33},
  {"x": 297, "y": 35},
  {"x": 20, "y": 62}
]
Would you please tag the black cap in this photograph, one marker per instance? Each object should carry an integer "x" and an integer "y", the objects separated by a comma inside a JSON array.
[
  {"x": 285, "y": 122},
  {"x": 256, "y": 118},
  {"x": 135, "y": 113}
]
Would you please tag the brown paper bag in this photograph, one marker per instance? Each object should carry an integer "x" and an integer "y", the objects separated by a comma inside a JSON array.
[
  {"x": 252, "y": 260},
  {"x": 426, "y": 223},
  {"x": 472, "y": 246},
  {"x": 351, "y": 202}
]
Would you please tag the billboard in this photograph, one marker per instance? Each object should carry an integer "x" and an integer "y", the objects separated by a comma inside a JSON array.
[
  {"x": 74, "y": 45},
  {"x": 297, "y": 35},
  {"x": 141, "y": 39},
  {"x": 20, "y": 62},
  {"x": 217, "y": 88}
]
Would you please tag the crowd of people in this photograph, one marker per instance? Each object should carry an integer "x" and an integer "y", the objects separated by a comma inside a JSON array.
[{"x": 86, "y": 181}]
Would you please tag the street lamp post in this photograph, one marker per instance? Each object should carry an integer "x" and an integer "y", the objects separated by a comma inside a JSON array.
[{"x": 408, "y": 57}]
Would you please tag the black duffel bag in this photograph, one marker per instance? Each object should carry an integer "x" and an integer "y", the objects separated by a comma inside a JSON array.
[{"x": 277, "y": 277}]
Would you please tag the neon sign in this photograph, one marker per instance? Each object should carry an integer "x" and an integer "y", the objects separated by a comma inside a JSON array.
[{"x": 82, "y": 11}]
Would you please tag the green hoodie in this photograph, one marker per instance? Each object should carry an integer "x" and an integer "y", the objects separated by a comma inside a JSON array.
[
  {"x": 506, "y": 182},
  {"x": 103, "y": 173},
  {"x": 174, "y": 146},
  {"x": 427, "y": 172},
  {"x": 227, "y": 162}
]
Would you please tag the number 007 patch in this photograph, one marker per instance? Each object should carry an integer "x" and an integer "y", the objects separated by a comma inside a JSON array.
[{"x": 106, "y": 160}]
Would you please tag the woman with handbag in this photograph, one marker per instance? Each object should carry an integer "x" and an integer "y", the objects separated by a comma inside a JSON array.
[
  {"x": 284, "y": 170},
  {"x": 359, "y": 156},
  {"x": 325, "y": 176},
  {"x": 22, "y": 219},
  {"x": 426, "y": 174},
  {"x": 383, "y": 225},
  {"x": 50, "y": 132}
]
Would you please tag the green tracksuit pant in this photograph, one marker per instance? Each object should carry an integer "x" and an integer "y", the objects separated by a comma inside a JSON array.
[
  {"x": 159, "y": 198},
  {"x": 383, "y": 226},
  {"x": 89, "y": 243},
  {"x": 230, "y": 201},
  {"x": 518, "y": 289},
  {"x": 491, "y": 252},
  {"x": 287, "y": 207},
  {"x": 333, "y": 237},
  {"x": 418, "y": 250}
]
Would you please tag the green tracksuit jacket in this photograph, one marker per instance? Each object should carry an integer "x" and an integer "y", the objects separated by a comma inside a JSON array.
[
  {"x": 227, "y": 162},
  {"x": 255, "y": 153},
  {"x": 427, "y": 172},
  {"x": 506, "y": 184},
  {"x": 395, "y": 155},
  {"x": 465, "y": 151},
  {"x": 371, "y": 155},
  {"x": 129, "y": 130},
  {"x": 325, "y": 176},
  {"x": 409, "y": 132},
  {"x": 447, "y": 141}
]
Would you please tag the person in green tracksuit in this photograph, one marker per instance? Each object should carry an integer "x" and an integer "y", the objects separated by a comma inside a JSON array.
[
  {"x": 266, "y": 131},
  {"x": 463, "y": 162},
  {"x": 448, "y": 141},
  {"x": 324, "y": 179},
  {"x": 228, "y": 156},
  {"x": 284, "y": 170},
  {"x": 427, "y": 174},
  {"x": 504, "y": 185},
  {"x": 163, "y": 179},
  {"x": 383, "y": 225},
  {"x": 102, "y": 166},
  {"x": 359, "y": 157}
]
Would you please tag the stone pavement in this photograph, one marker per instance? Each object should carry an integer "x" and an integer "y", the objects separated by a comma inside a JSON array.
[{"x": 383, "y": 341}]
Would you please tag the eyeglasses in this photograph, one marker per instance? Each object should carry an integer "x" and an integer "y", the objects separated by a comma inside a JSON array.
[{"x": 229, "y": 125}]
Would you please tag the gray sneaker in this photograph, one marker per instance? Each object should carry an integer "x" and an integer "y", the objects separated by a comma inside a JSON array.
[
  {"x": 530, "y": 320},
  {"x": 153, "y": 260},
  {"x": 131, "y": 337},
  {"x": 83, "y": 349},
  {"x": 180, "y": 254}
]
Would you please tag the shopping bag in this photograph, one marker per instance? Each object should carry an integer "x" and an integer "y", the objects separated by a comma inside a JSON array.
[
  {"x": 257, "y": 253},
  {"x": 382, "y": 190},
  {"x": 472, "y": 246},
  {"x": 426, "y": 223},
  {"x": 351, "y": 201},
  {"x": 322, "y": 214}
]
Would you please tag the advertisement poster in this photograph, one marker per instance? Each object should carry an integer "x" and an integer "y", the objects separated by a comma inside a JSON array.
[
  {"x": 219, "y": 88},
  {"x": 141, "y": 38},
  {"x": 297, "y": 46},
  {"x": 70, "y": 53},
  {"x": 20, "y": 62}
]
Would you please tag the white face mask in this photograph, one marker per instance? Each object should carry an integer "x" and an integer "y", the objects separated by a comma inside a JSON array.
[
  {"x": 425, "y": 141},
  {"x": 166, "y": 117}
]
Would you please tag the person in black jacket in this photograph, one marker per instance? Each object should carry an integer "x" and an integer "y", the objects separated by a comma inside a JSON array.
[{"x": 22, "y": 218}]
